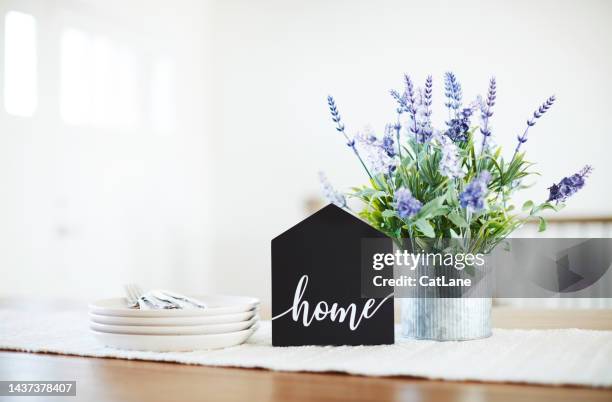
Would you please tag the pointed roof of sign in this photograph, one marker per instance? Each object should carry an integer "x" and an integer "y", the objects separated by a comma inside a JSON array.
[{"x": 332, "y": 217}]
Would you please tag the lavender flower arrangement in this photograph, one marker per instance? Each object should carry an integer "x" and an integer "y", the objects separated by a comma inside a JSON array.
[{"x": 450, "y": 182}]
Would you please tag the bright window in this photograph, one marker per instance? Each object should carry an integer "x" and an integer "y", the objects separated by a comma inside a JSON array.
[{"x": 20, "y": 86}]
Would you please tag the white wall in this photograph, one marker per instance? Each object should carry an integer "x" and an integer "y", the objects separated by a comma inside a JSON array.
[
  {"x": 276, "y": 60},
  {"x": 87, "y": 207},
  {"x": 84, "y": 210}
]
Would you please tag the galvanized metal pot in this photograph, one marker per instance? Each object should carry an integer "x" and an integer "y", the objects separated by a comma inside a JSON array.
[
  {"x": 446, "y": 313},
  {"x": 446, "y": 319}
]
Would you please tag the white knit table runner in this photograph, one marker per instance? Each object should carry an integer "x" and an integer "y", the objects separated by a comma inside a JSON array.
[{"x": 566, "y": 356}]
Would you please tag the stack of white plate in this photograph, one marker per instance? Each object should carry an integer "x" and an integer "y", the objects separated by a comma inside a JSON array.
[{"x": 227, "y": 321}]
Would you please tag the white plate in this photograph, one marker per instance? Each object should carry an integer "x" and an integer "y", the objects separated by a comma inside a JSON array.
[
  {"x": 173, "y": 343},
  {"x": 173, "y": 321},
  {"x": 176, "y": 330},
  {"x": 216, "y": 305}
]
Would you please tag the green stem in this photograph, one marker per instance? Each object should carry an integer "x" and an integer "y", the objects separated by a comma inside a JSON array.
[{"x": 362, "y": 163}]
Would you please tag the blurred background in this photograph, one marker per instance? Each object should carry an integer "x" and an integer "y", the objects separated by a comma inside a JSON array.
[{"x": 168, "y": 142}]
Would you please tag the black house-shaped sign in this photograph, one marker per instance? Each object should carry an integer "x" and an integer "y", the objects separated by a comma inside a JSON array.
[{"x": 318, "y": 263}]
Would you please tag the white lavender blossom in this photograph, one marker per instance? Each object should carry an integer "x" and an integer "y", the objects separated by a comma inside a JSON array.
[
  {"x": 330, "y": 193},
  {"x": 379, "y": 154},
  {"x": 450, "y": 164}
]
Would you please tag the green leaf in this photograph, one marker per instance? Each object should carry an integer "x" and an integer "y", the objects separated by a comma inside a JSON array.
[
  {"x": 544, "y": 206},
  {"x": 454, "y": 235},
  {"x": 364, "y": 192},
  {"x": 457, "y": 220},
  {"x": 370, "y": 194},
  {"x": 542, "y": 224},
  {"x": 451, "y": 196},
  {"x": 425, "y": 228},
  {"x": 431, "y": 208},
  {"x": 388, "y": 213},
  {"x": 527, "y": 205}
]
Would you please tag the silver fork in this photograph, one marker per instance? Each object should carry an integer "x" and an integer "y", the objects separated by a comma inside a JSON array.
[
  {"x": 180, "y": 298},
  {"x": 133, "y": 293},
  {"x": 136, "y": 298}
]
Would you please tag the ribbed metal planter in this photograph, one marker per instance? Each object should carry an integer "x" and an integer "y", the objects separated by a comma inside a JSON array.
[{"x": 446, "y": 319}]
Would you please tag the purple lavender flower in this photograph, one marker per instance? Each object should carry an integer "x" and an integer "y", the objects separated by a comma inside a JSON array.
[
  {"x": 409, "y": 95},
  {"x": 531, "y": 122},
  {"x": 459, "y": 126},
  {"x": 452, "y": 90},
  {"x": 450, "y": 164},
  {"x": 340, "y": 127},
  {"x": 400, "y": 99},
  {"x": 406, "y": 100},
  {"x": 330, "y": 193},
  {"x": 407, "y": 206},
  {"x": 569, "y": 186},
  {"x": 541, "y": 110},
  {"x": 388, "y": 143},
  {"x": 424, "y": 130},
  {"x": 411, "y": 107},
  {"x": 417, "y": 103},
  {"x": 378, "y": 154},
  {"x": 424, "y": 133},
  {"x": 333, "y": 109},
  {"x": 428, "y": 93},
  {"x": 473, "y": 197},
  {"x": 486, "y": 111}
]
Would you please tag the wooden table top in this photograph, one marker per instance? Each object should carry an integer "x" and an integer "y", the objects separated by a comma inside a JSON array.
[{"x": 100, "y": 379}]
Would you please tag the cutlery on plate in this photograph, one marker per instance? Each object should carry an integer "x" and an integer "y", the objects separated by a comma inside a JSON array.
[
  {"x": 158, "y": 299},
  {"x": 190, "y": 300}
]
